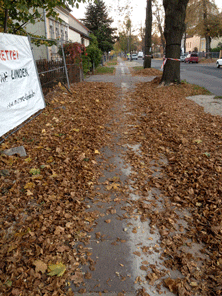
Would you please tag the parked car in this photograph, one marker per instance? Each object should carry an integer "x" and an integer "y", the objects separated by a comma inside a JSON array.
[
  {"x": 183, "y": 56},
  {"x": 219, "y": 63},
  {"x": 191, "y": 58},
  {"x": 134, "y": 56},
  {"x": 140, "y": 55}
]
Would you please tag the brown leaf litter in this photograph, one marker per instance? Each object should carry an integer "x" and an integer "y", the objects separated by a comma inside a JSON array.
[
  {"x": 44, "y": 212},
  {"x": 44, "y": 196},
  {"x": 190, "y": 182}
]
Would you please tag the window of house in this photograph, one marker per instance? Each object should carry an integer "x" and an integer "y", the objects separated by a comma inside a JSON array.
[
  {"x": 202, "y": 45},
  {"x": 57, "y": 30},
  {"x": 82, "y": 40},
  {"x": 66, "y": 33},
  {"x": 62, "y": 33},
  {"x": 51, "y": 29}
]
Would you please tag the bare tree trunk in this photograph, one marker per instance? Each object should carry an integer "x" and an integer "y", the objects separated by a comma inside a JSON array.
[
  {"x": 159, "y": 24},
  {"x": 148, "y": 41},
  {"x": 130, "y": 42},
  {"x": 6, "y": 21},
  {"x": 175, "y": 12},
  {"x": 185, "y": 40},
  {"x": 208, "y": 41},
  {"x": 207, "y": 35},
  {"x": 162, "y": 38}
]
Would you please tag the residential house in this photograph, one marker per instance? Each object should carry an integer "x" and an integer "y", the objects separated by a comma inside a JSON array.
[
  {"x": 67, "y": 29},
  {"x": 78, "y": 32},
  {"x": 199, "y": 43}
]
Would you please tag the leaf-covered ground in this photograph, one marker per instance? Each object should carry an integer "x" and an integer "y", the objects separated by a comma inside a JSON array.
[
  {"x": 45, "y": 211},
  {"x": 43, "y": 195},
  {"x": 182, "y": 156}
]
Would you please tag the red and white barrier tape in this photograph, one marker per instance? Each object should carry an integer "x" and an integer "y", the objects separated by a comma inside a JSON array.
[{"x": 171, "y": 59}]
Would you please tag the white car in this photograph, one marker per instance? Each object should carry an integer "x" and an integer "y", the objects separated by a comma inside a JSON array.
[
  {"x": 140, "y": 55},
  {"x": 219, "y": 63},
  {"x": 134, "y": 56}
]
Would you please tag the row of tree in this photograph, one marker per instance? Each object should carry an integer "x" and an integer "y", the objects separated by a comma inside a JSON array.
[
  {"x": 182, "y": 18},
  {"x": 202, "y": 18}
]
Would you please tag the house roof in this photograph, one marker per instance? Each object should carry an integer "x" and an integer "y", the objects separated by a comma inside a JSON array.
[
  {"x": 67, "y": 9},
  {"x": 80, "y": 33},
  {"x": 79, "y": 22}
]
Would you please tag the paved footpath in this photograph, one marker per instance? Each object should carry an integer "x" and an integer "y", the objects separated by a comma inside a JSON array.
[
  {"x": 113, "y": 245},
  {"x": 122, "y": 75}
]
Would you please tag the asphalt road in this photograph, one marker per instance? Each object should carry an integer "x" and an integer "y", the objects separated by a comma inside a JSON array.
[{"x": 206, "y": 75}]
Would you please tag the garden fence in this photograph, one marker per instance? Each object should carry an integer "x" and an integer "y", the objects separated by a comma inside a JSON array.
[
  {"x": 212, "y": 55},
  {"x": 51, "y": 64}
]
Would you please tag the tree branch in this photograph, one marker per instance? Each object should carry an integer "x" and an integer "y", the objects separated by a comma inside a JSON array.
[
  {"x": 16, "y": 30},
  {"x": 6, "y": 21}
]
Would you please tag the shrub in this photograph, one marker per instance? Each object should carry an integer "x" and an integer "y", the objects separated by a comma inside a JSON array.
[
  {"x": 216, "y": 49},
  {"x": 93, "y": 51},
  {"x": 77, "y": 53}
]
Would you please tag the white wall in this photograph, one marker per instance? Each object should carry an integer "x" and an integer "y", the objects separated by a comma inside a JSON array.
[
  {"x": 74, "y": 36},
  {"x": 77, "y": 25},
  {"x": 62, "y": 15},
  {"x": 215, "y": 42},
  {"x": 86, "y": 42}
]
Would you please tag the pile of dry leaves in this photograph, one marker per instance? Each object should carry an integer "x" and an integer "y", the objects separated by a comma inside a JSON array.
[
  {"x": 43, "y": 209},
  {"x": 182, "y": 157}
]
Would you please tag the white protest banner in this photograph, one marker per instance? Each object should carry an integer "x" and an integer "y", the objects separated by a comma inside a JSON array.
[{"x": 20, "y": 91}]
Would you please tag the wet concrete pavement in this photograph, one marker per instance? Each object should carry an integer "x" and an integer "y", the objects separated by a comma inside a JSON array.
[{"x": 114, "y": 246}]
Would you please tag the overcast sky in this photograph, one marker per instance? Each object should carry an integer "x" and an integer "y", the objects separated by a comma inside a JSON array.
[{"x": 138, "y": 11}]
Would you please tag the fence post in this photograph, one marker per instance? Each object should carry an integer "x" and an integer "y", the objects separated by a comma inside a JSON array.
[
  {"x": 37, "y": 72},
  {"x": 93, "y": 67},
  {"x": 64, "y": 61}
]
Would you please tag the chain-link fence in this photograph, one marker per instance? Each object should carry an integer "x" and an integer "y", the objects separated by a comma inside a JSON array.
[
  {"x": 51, "y": 64},
  {"x": 212, "y": 55}
]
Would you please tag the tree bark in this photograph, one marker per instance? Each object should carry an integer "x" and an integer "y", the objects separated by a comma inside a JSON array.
[
  {"x": 175, "y": 13},
  {"x": 206, "y": 29},
  {"x": 185, "y": 41},
  {"x": 6, "y": 21},
  {"x": 162, "y": 38},
  {"x": 208, "y": 41},
  {"x": 159, "y": 24},
  {"x": 148, "y": 40}
]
